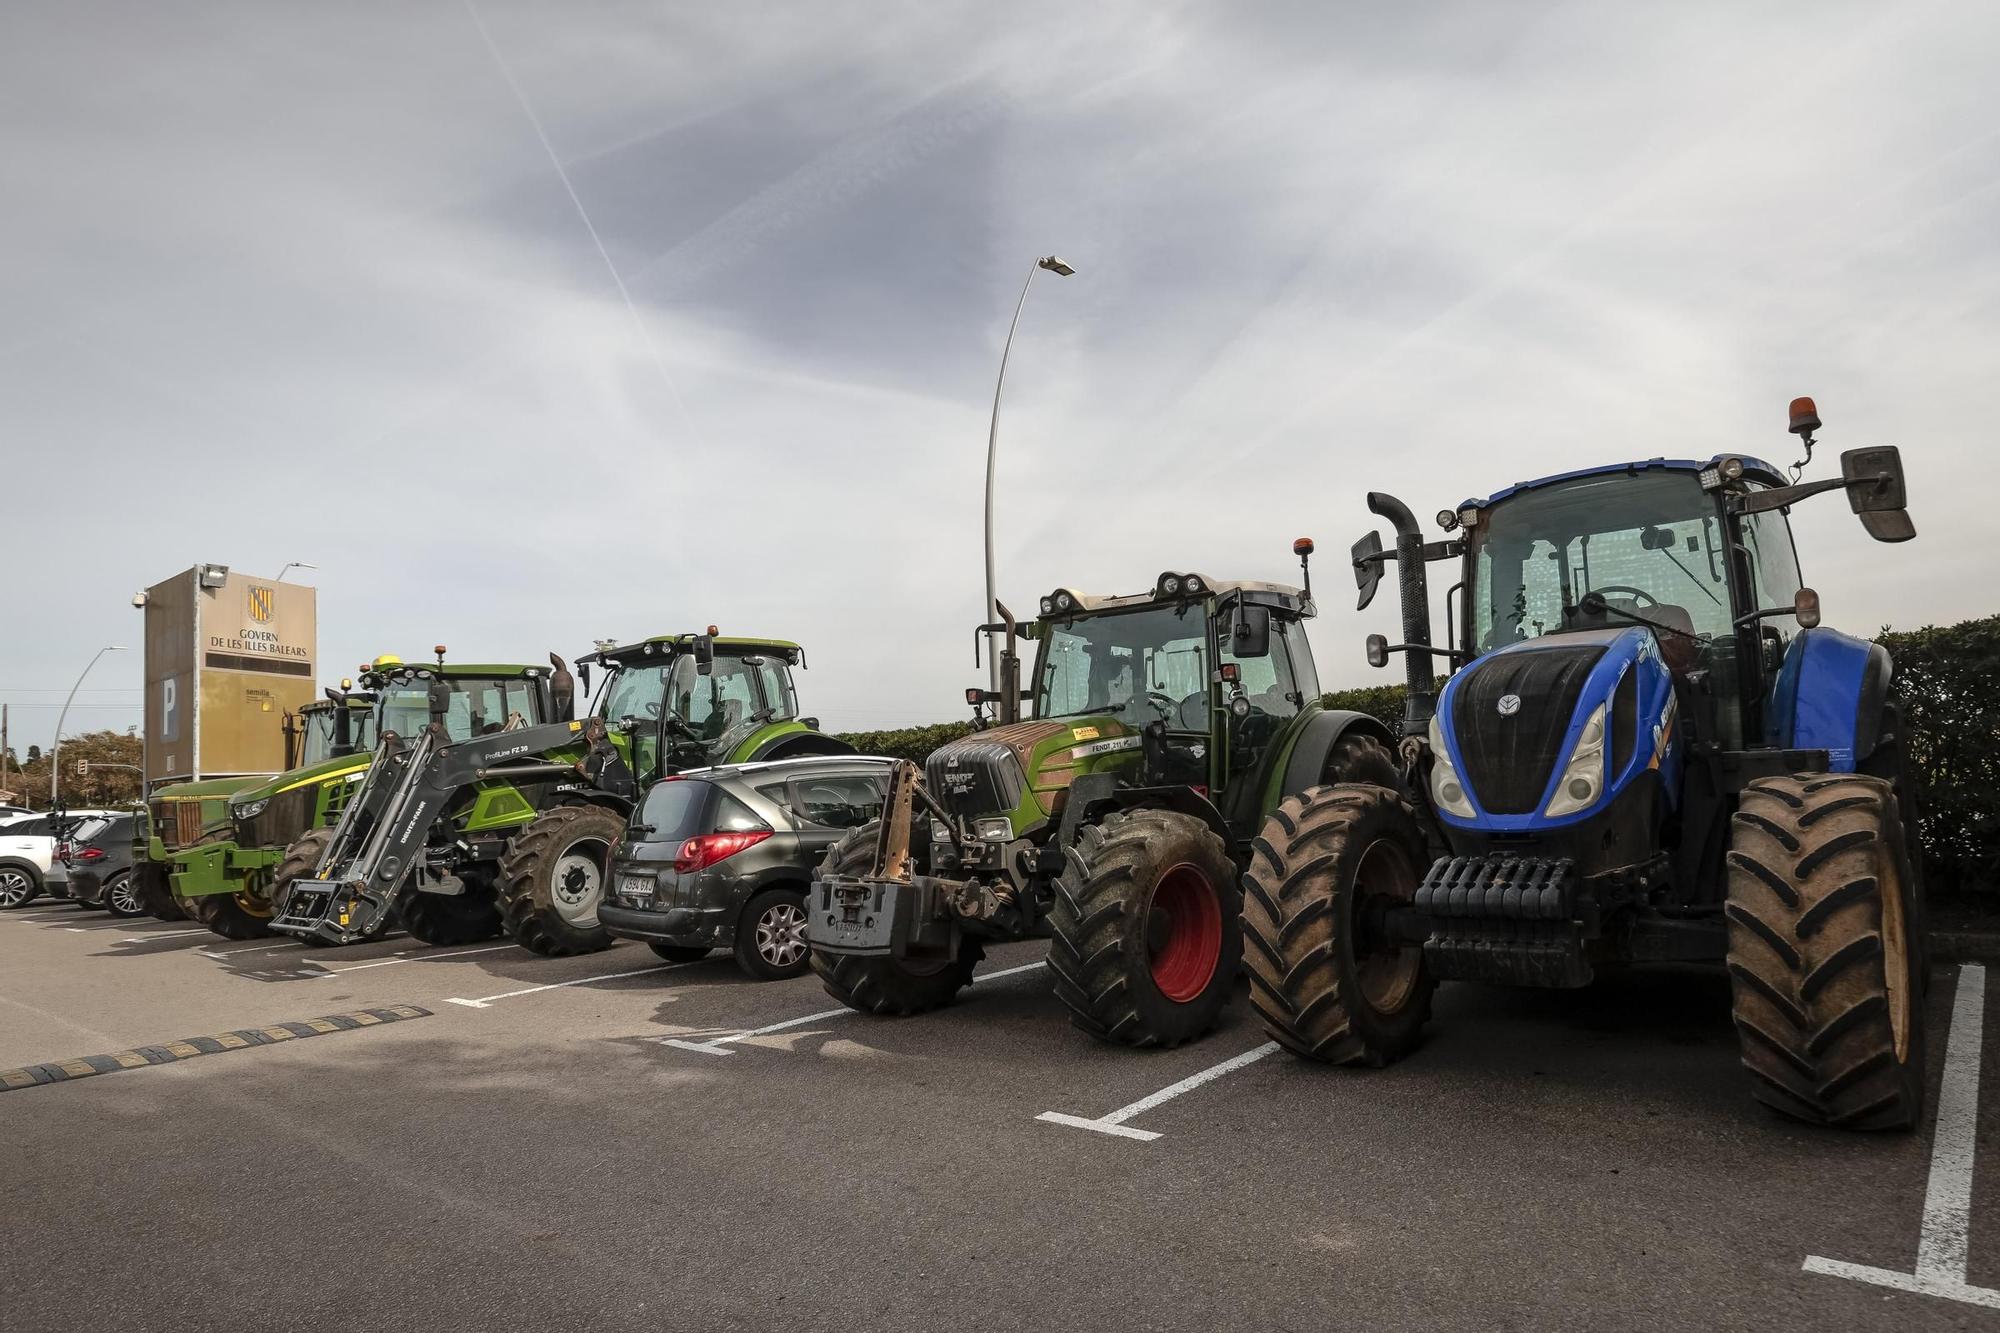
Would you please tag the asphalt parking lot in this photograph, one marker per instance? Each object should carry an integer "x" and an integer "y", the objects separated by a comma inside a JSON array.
[{"x": 615, "y": 1142}]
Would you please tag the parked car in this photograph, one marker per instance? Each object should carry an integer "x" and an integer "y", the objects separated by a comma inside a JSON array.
[
  {"x": 722, "y": 858},
  {"x": 99, "y": 855},
  {"x": 27, "y": 854}
]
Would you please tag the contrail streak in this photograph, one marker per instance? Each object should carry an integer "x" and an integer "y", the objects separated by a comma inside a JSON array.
[{"x": 541, "y": 133}]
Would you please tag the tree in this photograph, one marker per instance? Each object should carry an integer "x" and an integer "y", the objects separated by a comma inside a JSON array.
[{"x": 34, "y": 753}]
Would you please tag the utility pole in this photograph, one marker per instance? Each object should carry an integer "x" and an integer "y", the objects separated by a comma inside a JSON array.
[{"x": 3, "y": 747}]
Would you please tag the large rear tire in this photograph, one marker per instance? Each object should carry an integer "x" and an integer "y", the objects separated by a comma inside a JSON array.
[
  {"x": 155, "y": 888},
  {"x": 552, "y": 878},
  {"x": 1824, "y": 955},
  {"x": 877, "y": 985},
  {"x": 1324, "y": 982},
  {"x": 1147, "y": 922}
]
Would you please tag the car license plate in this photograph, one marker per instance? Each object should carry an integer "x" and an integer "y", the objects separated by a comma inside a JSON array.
[{"x": 636, "y": 888}]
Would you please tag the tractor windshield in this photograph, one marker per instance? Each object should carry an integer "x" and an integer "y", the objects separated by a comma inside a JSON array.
[
  {"x": 316, "y": 745},
  {"x": 1650, "y": 542},
  {"x": 1144, "y": 664},
  {"x": 478, "y": 707}
]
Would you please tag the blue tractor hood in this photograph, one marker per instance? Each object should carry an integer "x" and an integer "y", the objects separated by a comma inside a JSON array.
[{"x": 1551, "y": 732}]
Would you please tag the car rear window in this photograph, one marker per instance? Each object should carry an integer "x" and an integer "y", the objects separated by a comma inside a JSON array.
[{"x": 675, "y": 809}]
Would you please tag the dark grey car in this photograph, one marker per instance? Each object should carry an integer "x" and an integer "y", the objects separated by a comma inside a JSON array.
[
  {"x": 99, "y": 856},
  {"x": 722, "y": 858}
]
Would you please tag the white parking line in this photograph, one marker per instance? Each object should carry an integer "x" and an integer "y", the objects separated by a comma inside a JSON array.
[
  {"x": 423, "y": 957},
  {"x": 714, "y": 1045},
  {"x": 1945, "y": 1240},
  {"x": 487, "y": 1000},
  {"x": 169, "y": 934},
  {"x": 1114, "y": 1123}
]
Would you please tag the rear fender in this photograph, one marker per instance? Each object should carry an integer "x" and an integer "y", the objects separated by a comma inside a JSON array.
[
  {"x": 1304, "y": 764},
  {"x": 788, "y": 740},
  {"x": 1093, "y": 795}
]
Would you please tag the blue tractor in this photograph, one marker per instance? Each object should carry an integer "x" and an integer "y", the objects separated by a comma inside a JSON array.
[{"x": 1648, "y": 750}]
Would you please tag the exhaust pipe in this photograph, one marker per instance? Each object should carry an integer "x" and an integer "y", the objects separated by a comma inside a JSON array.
[{"x": 1421, "y": 702}]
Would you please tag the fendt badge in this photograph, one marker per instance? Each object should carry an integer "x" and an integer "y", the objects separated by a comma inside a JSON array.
[{"x": 1510, "y": 704}]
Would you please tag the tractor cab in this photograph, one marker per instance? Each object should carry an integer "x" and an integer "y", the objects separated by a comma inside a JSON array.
[
  {"x": 1187, "y": 685},
  {"x": 681, "y": 701},
  {"x": 329, "y": 728},
  {"x": 470, "y": 699}
]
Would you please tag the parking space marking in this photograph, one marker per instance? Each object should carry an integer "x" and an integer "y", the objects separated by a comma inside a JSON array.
[
  {"x": 170, "y": 934},
  {"x": 423, "y": 957},
  {"x": 714, "y": 1045},
  {"x": 486, "y": 1001},
  {"x": 1944, "y": 1241},
  {"x": 254, "y": 946},
  {"x": 142, "y": 1057},
  {"x": 1114, "y": 1123}
]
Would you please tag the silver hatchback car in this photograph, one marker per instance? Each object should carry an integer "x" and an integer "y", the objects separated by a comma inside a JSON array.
[{"x": 722, "y": 858}]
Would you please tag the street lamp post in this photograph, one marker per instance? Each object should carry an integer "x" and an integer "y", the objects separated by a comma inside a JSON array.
[
  {"x": 1061, "y": 270},
  {"x": 55, "y": 747},
  {"x": 291, "y": 565}
]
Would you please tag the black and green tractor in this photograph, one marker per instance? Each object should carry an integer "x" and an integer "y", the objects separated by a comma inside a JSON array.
[
  {"x": 1114, "y": 820},
  {"x": 223, "y": 879},
  {"x": 509, "y": 830}
]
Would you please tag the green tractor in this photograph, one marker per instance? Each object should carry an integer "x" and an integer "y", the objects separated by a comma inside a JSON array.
[
  {"x": 223, "y": 881},
  {"x": 184, "y": 814},
  {"x": 510, "y": 829},
  {"x": 1115, "y": 820}
]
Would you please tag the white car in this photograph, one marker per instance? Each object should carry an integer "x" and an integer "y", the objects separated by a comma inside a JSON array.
[{"x": 27, "y": 853}]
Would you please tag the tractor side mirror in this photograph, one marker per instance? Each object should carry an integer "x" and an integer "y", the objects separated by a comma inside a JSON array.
[
  {"x": 1250, "y": 632},
  {"x": 1378, "y": 651},
  {"x": 562, "y": 690},
  {"x": 1367, "y": 557},
  {"x": 439, "y": 698},
  {"x": 583, "y": 677},
  {"x": 704, "y": 654},
  {"x": 1875, "y": 491}
]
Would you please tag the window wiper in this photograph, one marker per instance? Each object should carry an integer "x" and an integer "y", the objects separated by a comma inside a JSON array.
[{"x": 1706, "y": 591}]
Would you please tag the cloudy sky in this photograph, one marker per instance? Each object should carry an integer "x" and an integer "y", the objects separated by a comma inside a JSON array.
[{"x": 532, "y": 323}]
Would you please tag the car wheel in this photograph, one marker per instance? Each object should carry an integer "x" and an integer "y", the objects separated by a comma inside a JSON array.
[
  {"x": 121, "y": 897},
  {"x": 18, "y": 887},
  {"x": 771, "y": 936}
]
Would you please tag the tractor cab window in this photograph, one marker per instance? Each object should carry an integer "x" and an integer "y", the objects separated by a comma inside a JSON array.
[
  {"x": 476, "y": 708},
  {"x": 1141, "y": 665},
  {"x": 1649, "y": 542},
  {"x": 636, "y": 691},
  {"x": 316, "y": 739},
  {"x": 1271, "y": 683},
  {"x": 715, "y": 704},
  {"x": 1774, "y": 562},
  {"x": 774, "y": 678}
]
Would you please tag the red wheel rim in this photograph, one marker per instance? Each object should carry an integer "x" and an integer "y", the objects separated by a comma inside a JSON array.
[{"x": 1190, "y": 944}]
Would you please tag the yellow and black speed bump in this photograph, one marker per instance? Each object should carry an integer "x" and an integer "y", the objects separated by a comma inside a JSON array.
[{"x": 187, "y": 1047}]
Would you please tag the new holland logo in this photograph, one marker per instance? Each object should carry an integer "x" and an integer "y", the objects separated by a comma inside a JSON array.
[
  {"x": 260, "y": 604},
  {"x": 1510, "y": 704}
]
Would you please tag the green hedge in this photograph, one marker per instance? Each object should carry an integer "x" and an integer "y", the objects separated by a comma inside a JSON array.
[
  {"x": 1948, "y": 678},
  {"x": 1949, "y": 681}
]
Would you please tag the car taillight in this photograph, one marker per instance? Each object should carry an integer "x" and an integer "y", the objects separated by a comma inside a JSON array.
[
  {"x": 91, "y": 854},
  {"x": 703, "y": 851},
  {"x": 62, "y": 851}
]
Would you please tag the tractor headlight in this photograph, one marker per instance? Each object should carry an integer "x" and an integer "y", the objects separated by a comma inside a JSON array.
[
  {"x": 1192, "y": 584},
  {"x": 1171, "y": 585},
  {"x": 249, "y": 809},
  {"x": 1048, "y": 606},
  {"x": 1447, "y": 788},
  {"x": 1582, "y": 780},
  {"x": 995, "y": 829}
]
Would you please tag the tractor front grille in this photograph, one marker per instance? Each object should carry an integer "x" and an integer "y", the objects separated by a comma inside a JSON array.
[
  {"x": 1510, "y": 755},
  {"x": 284, "y": 817}
]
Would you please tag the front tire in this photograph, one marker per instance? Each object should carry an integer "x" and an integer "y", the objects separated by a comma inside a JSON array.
[
  {"x": 1322, "y": 981},
  {"x": 1824, "y": 954},
  {"x": 552, "y": 879},
  {"x": 448, "y": 918},
  {"x": 156, "y": 889},
  {"x": 888, "y": 986},
  {"x": 1147, "y": 934},
  {"x": 18, "y": 887}
]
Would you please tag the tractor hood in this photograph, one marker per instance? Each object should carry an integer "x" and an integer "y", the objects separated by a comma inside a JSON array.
[
  {"x": 1022, "y": 770},
  {"x": 1548, "y": 733},
  {"x": 307, "y": 776}
]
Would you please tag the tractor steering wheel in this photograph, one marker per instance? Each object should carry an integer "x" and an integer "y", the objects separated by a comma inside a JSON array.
[
  {"x": 1635, "y": 593},
  {"x": 1166, "y": 703}
]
